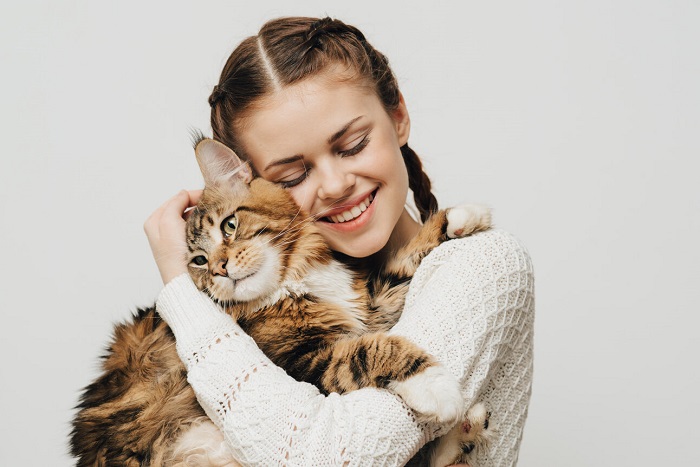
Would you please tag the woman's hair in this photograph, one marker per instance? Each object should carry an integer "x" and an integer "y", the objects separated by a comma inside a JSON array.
[{"x": 288, "y": 50}]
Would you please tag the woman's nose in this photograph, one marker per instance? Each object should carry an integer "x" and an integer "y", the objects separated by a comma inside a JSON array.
[{"x": 334, "y": 182}]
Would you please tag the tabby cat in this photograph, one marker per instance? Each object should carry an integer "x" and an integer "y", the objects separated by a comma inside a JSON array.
[{"x": 265, "y": 263}]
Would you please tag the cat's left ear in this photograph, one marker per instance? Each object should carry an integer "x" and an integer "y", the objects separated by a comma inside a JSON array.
[{"x": 219, "y": 164}]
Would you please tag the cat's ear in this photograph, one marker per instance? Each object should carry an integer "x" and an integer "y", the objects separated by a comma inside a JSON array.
[{"x": 219, "y": 164}]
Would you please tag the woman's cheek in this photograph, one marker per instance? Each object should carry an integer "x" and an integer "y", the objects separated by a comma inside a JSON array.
[{"x": 303, "y": 196}]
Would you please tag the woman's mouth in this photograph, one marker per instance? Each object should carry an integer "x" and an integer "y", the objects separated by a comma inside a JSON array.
[{"x": 351, "y": 213}]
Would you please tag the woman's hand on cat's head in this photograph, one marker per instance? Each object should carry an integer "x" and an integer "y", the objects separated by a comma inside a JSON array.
[{"x": 165, "y": 229}]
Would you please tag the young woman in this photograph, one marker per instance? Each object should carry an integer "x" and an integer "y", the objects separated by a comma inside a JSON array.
[{"x": 314, "y": 107}]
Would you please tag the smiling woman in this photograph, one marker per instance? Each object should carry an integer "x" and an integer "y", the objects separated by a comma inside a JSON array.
[{"x": 316, "y": 110}]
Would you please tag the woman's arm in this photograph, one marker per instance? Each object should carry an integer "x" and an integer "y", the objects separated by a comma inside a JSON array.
[
  {"x": 267, "y": 417},
  {"x": 471, "y": 305}
]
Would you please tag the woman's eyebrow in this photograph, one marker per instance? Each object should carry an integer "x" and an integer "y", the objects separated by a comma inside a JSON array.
[{"x": 337, "y": 135}]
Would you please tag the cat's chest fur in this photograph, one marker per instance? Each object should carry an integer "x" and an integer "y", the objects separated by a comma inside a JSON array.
[{"x": 325, "y": 304}]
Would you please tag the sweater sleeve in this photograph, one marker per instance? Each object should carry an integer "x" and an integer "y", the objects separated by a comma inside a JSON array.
[
  {"x": 471, "y": 305},
  {"x": 268, "y": 418}
]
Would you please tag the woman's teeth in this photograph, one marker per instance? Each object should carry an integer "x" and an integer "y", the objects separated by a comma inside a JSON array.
[{"x": 353, "y": 212}]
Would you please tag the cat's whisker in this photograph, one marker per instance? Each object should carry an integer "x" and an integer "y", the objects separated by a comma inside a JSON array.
[
  {"x": 286, "y": 230},
  {"x": 307, "y": 220},
  {"x": 261, "y": 231},
  {"x": 285, "y": 233},
  {"x": 298, "y": 209},
  {"x": 301, "y": 224}
]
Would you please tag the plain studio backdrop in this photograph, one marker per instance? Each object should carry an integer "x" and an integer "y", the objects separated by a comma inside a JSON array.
[{"x": 576, "y": 121}]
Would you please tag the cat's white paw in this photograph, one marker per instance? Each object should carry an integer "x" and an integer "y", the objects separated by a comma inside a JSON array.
[
  {"x": 434, "y": 394},
  {"x": 471, "y": 435},
  {"x": 467, "y": 219}
]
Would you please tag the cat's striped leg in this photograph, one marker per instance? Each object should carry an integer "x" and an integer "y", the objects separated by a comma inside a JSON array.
[
  {"x": 456, "y": 222},
  {"x": 395, "y": 363}
]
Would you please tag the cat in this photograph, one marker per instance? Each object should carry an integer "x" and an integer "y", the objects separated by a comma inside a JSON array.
[{"x": 266, "y": 264}]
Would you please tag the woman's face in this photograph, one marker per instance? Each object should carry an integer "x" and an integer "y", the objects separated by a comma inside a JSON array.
[{"x": 335, "y": 148}]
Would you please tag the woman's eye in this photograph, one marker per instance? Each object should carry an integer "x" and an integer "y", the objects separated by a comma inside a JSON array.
[
  {"x": 200, "y": 260},
  {"x": 357, "y": 148},
  {"x": 229, "y": 225},
  {"x": 294, "y": 181}
]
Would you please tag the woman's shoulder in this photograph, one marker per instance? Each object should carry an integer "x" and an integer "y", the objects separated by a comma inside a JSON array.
[
  {"x": 491, "y": 253},
  {"x": 492, "y": 243},
  {"x": 480, "y": 280}
]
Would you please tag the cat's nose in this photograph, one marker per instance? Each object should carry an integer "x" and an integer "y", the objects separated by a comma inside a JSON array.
[{"x": 220, "y": 268}]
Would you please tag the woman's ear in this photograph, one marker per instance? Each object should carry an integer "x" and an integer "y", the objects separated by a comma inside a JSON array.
[{"x": 402, "y": 122}]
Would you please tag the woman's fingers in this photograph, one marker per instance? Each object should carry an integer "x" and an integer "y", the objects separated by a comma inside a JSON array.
[
  {"x": 153, "y": 222},
  {"x": 194, "y": 197},
  {"x": 165, "y": 229}
]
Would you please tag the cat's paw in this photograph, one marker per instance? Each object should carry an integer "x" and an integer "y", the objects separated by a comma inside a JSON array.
[
  {"x": 467, "y": 219},
  {"x": 465, "y": 439},
  {"x": 434, "y": 394}
]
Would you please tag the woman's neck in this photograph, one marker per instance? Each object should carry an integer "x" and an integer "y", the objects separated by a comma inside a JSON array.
[{"x": 406, "y": 228}]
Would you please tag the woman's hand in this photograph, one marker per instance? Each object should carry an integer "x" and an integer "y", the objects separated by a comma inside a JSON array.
[{"x": 165, "y": 229}]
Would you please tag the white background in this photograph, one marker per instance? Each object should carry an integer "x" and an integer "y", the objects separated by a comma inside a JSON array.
[{"x": 576, "y": 121}]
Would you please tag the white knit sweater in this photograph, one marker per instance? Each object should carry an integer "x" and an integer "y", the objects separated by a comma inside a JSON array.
[{"x": 470, "y": 304}]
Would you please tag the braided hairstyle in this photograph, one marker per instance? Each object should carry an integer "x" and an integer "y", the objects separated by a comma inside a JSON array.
[{"x": 288, "y": 50}]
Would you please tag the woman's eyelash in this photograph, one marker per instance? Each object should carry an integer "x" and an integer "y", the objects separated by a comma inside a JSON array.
[
  {"x": 346, "y": 153},
  {"x": 296, "y": 181},
  {"x": 357, "y": 148}
]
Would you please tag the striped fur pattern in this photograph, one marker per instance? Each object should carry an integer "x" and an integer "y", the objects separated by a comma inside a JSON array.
[{"x": 265, "y": 263}]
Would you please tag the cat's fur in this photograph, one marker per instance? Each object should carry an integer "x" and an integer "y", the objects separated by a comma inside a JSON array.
[{"x": 320, "y": 321}]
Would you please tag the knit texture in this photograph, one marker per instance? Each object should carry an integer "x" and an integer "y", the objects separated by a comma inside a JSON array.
[{"x": 470, "y": 304}]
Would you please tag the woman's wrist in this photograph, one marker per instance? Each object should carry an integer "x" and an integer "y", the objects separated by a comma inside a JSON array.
[{"x": 170, "y": 269}]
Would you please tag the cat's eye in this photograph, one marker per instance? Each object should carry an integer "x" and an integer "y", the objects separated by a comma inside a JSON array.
[
  {"x": 229, "y": 225},
  {"x": 200, "y": 260}
]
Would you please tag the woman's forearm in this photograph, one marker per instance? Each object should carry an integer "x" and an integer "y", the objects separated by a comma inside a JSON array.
[{"x": 267, "y": 417}]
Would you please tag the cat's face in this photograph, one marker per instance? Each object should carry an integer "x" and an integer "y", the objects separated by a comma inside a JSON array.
[
  {"x": 239, "y": 240},
  {"x": 243, "y": 237}
]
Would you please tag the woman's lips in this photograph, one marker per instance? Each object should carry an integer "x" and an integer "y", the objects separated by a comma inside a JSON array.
[
  {"x": 350, "y": 218},
  {"x": 352, "y": 213}
]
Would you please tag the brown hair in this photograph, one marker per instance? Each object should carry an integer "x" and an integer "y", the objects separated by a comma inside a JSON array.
[{"x": 288, "y": 50}]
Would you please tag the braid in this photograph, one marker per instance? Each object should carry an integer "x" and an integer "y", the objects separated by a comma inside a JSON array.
[
  {"x": 419, "y": 183},
  {"x": 216, "y": 95},
  {"x": 323, "y": 30}
]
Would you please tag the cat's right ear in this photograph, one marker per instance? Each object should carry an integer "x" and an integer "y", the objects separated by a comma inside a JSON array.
[{"x": 219, "y": 164}]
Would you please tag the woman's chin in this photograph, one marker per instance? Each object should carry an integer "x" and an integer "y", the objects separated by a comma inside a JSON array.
[{"x": 359, "y": 247}]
